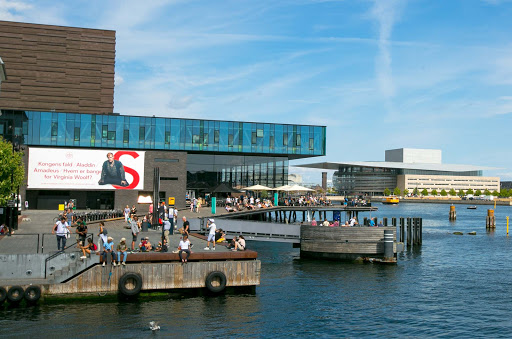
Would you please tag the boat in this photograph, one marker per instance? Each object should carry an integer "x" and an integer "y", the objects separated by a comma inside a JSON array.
[
  {"x": 471, "y": 207},
  {"x": 391, "y": 200}
]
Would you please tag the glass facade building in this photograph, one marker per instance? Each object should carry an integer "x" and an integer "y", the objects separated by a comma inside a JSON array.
[
  {"x": 153, "y": 133},
  {"x": 238, "y": 153}
]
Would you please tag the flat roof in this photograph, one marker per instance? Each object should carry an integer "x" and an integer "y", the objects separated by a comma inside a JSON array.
[{"x": 398, "y": 165}]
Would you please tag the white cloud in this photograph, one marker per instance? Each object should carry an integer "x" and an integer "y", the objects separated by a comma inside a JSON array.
[{"x": 118, "y": 80}]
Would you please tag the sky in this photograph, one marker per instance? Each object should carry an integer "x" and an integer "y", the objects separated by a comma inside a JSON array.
[{"x": 379, "y": 74}]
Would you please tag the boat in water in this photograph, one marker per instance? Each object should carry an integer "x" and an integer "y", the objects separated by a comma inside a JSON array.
[
  {"x": 471, "y": 207},
  {"x": 391, "y": 200}
]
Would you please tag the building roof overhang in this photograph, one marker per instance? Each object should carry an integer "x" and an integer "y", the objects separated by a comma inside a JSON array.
[{"x": 398, "y": 165}]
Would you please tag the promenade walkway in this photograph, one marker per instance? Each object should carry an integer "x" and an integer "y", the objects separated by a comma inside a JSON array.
[{"x": 40, "y": 222}]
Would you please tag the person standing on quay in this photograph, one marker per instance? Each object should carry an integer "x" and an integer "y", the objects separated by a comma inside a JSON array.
[
  {"x": 135, "y": 231},
  {"x": 211, "y": 235},
  {"x": 61, "y": 228},
  {"x": 167, "y": 229}
]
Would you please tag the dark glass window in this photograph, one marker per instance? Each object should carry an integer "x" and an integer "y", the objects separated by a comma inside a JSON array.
[
  {"x": 77, "y": 133},
  {"x": 142, "y": 133},
  {"x": 111, "y": 135},
  {"x": 230, "y": 140},
  {"x": 311, "y": 144},
  {"x": 271, "y": 142},
  {"x": 297, "y": 139},
  {"x": 285, "y": 139},
  {"x": 253, "y": 139},
  {"x": 167, "y": 137},
  {"x": 104, "y": 131},
  {"x": 126, "y": 136},
  {"x": 205, "y": 138},
  {"x": 216, "y": 137},
  {"x": 55, "y": 128}
]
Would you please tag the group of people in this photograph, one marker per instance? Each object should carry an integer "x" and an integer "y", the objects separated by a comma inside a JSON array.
[
  {"x": 306, "y": 200},
  {"x": 234, "y": 204},
  {"x": 348, "y": 223},
  {"x": 62, "y": 230}
]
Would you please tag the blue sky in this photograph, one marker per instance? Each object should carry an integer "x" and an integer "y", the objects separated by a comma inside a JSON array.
[{"x": 378, "y": 74}]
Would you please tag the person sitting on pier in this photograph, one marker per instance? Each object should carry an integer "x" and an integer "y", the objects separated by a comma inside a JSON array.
[
  {"x": 239, "y": 244},
  {"x": 108, "y": 247},
  {"x": 90, "y": 247},
  {"x": 353, "y": 222},
  {"x": 122, "y": 249},
  {"x": 313, "y": 222},
  {"x": 3, "y": 229},
  {"x": 336, "y": 223},
  {"x": 160, "y": 247},
  {"x": 346, "y": 224},
  {"x": 326, "y": 222},
  {"x": 184, "y": 247},
  {"x": 220, "y": 236},
  {"x": 371, "y": 223},
  {"x": 380, "y": 224}
]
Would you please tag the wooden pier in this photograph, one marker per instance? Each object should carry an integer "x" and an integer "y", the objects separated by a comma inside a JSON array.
[
  {"x": 143, "y": 272},
  {"x": 344, "y": 243}
]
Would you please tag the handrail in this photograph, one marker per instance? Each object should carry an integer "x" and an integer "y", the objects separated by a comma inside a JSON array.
[{"x": 55, "y": 255}]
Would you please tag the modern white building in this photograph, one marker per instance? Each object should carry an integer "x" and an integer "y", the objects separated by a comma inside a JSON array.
[{"x": 407, "y": 168}]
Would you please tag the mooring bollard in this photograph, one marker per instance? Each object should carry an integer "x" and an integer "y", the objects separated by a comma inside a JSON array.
[
  {"x": 490, "y": 221},
  {"x": 388, "y": 245},
  {"x": 453, "y": 214}
]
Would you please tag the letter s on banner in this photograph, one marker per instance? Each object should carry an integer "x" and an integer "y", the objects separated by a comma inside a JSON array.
[{"x": 134, "y": 173}]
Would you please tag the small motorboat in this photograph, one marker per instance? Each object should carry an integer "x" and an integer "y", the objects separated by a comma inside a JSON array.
[
  {"x": 391, "y": 200},
  {"x": 471, "y": 207}
]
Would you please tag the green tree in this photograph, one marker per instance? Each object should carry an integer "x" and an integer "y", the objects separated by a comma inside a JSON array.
[
  {"x": 12, "y": 171},
  {"x": 461, "y": 193},
  {"x": 434, "y": 192},
  {"x": 415, "y": 191},
  {"x": 470, "y": 191},
  {"x": 487, "y": 192},
  {"x": 478, "y": 192},
  {"x": 452, "y": 192},
  {"x": 406, "y": 191},
  {"x": 495, "y": 193},
  {"x": 396, "y": 191},
  {"x": 443, "y": 192},
  {"x": 387, "y": 192},
  {"x": 504, "y": 193},
  {"x": 424, "y": 192},
  {"x": 264, "y": 194}
]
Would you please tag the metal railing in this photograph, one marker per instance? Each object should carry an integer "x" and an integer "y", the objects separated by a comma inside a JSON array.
[{"x": 55, "y": 255}]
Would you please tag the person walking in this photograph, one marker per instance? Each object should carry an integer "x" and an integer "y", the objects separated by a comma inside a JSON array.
[
  {"x": 211, "y": 236},
  {"x": 122, "y": 249},
  {"x": 135, "y": 231},
  {"x": 102, "y": 235},
  {"x": 126, "y": 213},
  {"x": 61, "y": 229}
]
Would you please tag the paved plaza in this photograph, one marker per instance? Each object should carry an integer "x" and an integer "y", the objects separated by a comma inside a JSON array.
[{"x": 36, "y": 227}]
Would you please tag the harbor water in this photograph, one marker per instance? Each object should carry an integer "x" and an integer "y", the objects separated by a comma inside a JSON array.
[{"x": 453, "y": 286}]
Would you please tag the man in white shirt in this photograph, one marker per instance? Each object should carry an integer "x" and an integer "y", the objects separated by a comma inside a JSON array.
[
  {"x": 353, "y": 221},
  {"x": 61, "y": 228},
  {"x": 211, "y": 236},
  {"x": 167, "y": 229}
]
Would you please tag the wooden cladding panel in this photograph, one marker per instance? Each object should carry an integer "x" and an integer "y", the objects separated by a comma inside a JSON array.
[
  {"x": 159, "y": 276},
  {"x": 42, "y": 62}
]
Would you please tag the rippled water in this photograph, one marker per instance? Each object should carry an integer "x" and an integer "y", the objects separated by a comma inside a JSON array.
[{"x": 454, "y": 286}]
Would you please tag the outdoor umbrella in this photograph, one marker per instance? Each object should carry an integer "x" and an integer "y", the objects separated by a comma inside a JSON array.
[
  {"x": 258, "y": 188},
  {"x": 299, "y": 188},
  {"x": 285, "y": 188}
]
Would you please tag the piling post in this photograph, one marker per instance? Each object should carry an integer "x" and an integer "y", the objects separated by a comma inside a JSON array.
[
  {"x": 490, "y": 220},
  {"x": 385, "y": 221},
  {"x": 507, "y": 226},
  {"x": 453, "y": 214},
  {"x": 402, "y": 229},
  {"x": 421, "y": 231},
  {"x": 388, "y": 245},
  {"x": 409, "y": 232},
  {"x": 393, "y": 221},
  {"x": 365, "y": 221}
]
